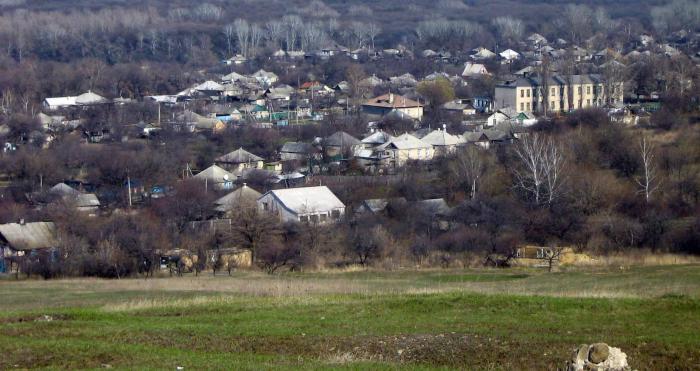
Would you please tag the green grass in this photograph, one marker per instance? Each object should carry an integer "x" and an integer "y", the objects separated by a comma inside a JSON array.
[{"x": 395, "y": 321}]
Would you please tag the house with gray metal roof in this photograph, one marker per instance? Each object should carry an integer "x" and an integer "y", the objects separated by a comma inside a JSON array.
[{"x": 306, "y": 204}]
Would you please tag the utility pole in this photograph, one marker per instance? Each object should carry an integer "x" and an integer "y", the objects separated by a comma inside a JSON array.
[{"x": 128, "y": 185}]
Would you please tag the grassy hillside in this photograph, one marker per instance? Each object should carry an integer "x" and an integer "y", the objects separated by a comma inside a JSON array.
[{"x": 434, "y": 319}]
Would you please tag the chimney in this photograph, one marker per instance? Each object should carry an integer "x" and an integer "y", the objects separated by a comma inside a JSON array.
[{"x": 391, "y": 98}]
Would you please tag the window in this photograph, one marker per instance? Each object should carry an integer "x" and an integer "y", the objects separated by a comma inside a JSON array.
[
  {"x": 304, "y": 219},
  {"x": 580, "y": 102},
  {"x": 335, "y": 214},
  {"x": 528, "y": 93},
  {"x": 324, "y": 217},
  {"x": 528, "y": 106},
  {"x": 554, "y": 105},
  {"x": 314, "y": 218},
  {"x": 580, "y": 91},
  {"x": 554, "y": 92},
  {"x": 266, "y": 207},
  {"x": 522, "y": 93},
  {"x": 522, "y": 106},
  {"x": 588, "y": 90},
  {"x": 588, "y": 102}
]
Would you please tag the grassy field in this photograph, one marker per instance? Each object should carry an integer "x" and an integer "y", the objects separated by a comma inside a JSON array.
[{"x": 468, "y": 319}]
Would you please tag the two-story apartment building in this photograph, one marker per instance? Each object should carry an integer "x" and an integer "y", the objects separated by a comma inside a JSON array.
[{"x": 526, "y": 94}]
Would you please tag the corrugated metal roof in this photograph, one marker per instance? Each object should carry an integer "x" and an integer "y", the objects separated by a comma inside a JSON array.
[
  {"x": 308, "y": 199},
  {"x": 29, "y": 236}
]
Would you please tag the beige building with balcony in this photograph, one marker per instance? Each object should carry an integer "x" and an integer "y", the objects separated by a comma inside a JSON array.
[{"x": 525, "y": 94}]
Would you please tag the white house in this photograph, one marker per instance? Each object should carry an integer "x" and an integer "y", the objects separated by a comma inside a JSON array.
[
  {"x": 474, "y": 70},
  {"x": 85, "y": 99},
  {"x": 509, "y": 55},
  {"x": 306, "y": 204},
  {"x": 482, "y": 53}
]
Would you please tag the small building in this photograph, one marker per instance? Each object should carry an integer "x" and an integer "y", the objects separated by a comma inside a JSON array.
[
  {"x": 443, "y": 142},
  {"x": 404, "y": 148},
  {"x": 21, "y": 240},
  {"x": 306, "y": 205},
  {"x": 298, "y": 151},
  {"x": 339, "y": 144},
  {"x": 87, "y": 202},
  {"x": 388, "y": 103},
  {"x": 216, "y": 177},
  {"x": 474, "y": 70},
  {"x": 242, "y": 198},
  {"x": 239, "y": 160}
]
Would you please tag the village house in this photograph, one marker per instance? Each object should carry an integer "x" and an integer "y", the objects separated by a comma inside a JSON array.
[
  {"x": 464, "y": 107},
  {"x": 22, "y": 240},
  {"x": 474, "y": 70},
  {"x": 339, "y": 145},
  {"x": 239, "y": 160},
  {"x": 404, "y": 148},
  {"x": 376, "y": 138},
  {"x": 482, "y": 54},
  {"x": 525, "y": 94},
  {"x": 297, "y": 151},
  {"x": 216, "y": 178},
  {"x": 388, "y": 103},
  {"x": 86, "y": 202},
  {"x": 85, "y": 99},
  {"x": 443, "y": 142},
  {"x": 242, "y": 198},
  {"x": 316, "y": 205}
]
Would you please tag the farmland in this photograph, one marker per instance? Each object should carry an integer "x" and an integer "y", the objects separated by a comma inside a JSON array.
[{"x": 475, "y": 319}]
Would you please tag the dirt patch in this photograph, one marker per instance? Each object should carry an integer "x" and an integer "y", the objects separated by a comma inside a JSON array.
[{"x": 451, "y": 350}]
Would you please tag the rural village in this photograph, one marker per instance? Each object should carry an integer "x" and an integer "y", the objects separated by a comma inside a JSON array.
[
  {"x": 294, "y": 184},
  {"x": 295, "y": 138}
]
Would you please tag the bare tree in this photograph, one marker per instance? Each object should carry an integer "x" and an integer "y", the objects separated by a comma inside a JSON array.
[
  {"x": 292, "y": 24},
  {"x": 242, "y": 34},
  {"x": 256, "y": 35},
  {"x": 578, "y": 21},
  {"x": 275, "y": 33},
  {"x": 509, "y": 28},
  {"x": 253, "y": 228},
  {"x": 373, "y": 30},
  {"x": 229, "y": 33},
  {"x": 541, "y": 172},
  {"x": 469, "y": 166},
  {"x": 544, "y": 85},
  {"x": 648, "y": 182}
]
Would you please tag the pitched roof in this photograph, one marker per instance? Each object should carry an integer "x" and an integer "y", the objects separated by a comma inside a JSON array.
[
  {"x": 63, "y": 189},
  {"x": 442, "y": 138},
  {"x": 308, "y": 199},
  {"x": 89, "y": 98},
  {"x": 341, "y": 139},
  {"x": 392, "y": 101},
  {"x": 297, "y": 147},
  {"x": 471, "y": 69},
  {"x": 29, "y": 236},
  {"x": 434, "y": 206},
  {"x": 215, "y": 173},
  {"x": 406, "y": 141},
  {"x": 209, "y": 86},
  {"x": 244, "y": 196},
  {"x": 378, "y": 137},
  {"x": 239, "y": 156}
]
